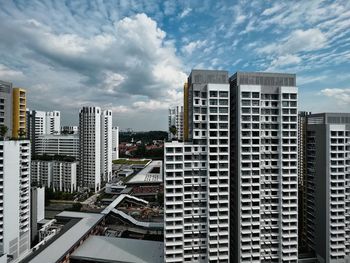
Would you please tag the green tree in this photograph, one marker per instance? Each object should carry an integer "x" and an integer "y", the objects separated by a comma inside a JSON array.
[
  {"x": 3, "y": 131},
  {"x": 21, "y": 133},
  {"x": 77, "y": 207},
  {"x": 173, "y": 130}
]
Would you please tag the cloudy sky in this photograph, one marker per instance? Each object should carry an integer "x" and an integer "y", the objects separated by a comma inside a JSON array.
[{"x": 133, "y": 56}]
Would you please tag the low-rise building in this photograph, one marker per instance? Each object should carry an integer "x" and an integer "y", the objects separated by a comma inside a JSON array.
[{"x": 50, "y": 144}]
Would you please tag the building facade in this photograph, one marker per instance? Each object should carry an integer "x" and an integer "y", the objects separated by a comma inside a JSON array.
[
  {"x": 264, "y": 163},
  {"x": 197, "y": 176},
  {"x": 106, "y": 145},
  {"x": 53, "y": 122},
  {"x": 6, "y": 106},
  {"x": 42, "y": 123},
  {"x": 176, "y": 119},
  {"x": 15, "y": 200},
  {"x": 49, "y": 144},
  {"x": 115, "y": 143},
  {"x": 327, "y": 197},
  {"x": 19, "y": 126},
  {"x": 58, "y": 175}
]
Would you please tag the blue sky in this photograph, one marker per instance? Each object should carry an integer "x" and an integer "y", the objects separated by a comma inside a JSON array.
[{"x": 133, "y": 56}]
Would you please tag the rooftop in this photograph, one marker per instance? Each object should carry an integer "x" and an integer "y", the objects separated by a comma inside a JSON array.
[
  {"x": 112, "y": 249},
  {"x": 152, "y": 173},
  {"x": 70, "y": 235}
]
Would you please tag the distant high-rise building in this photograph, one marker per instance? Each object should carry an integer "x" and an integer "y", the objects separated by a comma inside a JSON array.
[
  {"x": 90, "y": 147},
  {"x": 55, "y": 174},
  {"x": 115, "y": 143},
  {"x": 327, "y": 197},
  {"x": 264, "y": 164},
  {"x": 6, "y": 106},
  {"x": 95, "y": 132},
  {"x": 15, "y": 198},
  {"x": 69, "y": 129},
  {"x": 106, "y": 145},
  {"x": 197, "y": 175},
  {"x": 175, "y": 121},
  {"x": 41, "y": 123},
  {"x": 53, "y": 122}
]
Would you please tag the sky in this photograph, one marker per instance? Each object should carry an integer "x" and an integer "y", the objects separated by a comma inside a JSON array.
[{"x": 134, "y": 56}]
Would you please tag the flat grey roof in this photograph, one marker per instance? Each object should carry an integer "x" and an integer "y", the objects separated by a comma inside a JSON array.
[
  {"x": 145, "y": 175},
  {"x": 59, "y": 247},
  {"x": 121, "y": 250}
]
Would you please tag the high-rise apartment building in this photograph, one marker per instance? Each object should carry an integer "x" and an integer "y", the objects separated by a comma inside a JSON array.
[
  {"x": 115, "y": 143},
  {"x": 13, "y": 109},
  {"x": 95, "y": 133},
  {"x": 327, "y": 197},
  {"x": 302, "y": 124},
  {"x": 41, "y": 123},
  {"x": 106, "y": 145},
  {"x": 197, "y": 175},
  {"x": 176, "y": 120},
  {"x": 19, "y": 127},
  {"x": 90, "y": 147},
  {"x": 55, "y": 174},
  {"x": 15, "y": 198},
  {"x": 6, "y": 106},
  {"x": 264, "y": 164},
  {"x": 53, "y": 122}
]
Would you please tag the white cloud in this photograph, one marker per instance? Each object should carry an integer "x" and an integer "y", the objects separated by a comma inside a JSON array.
[
  {"x": 285, "y": 60},
  {"x": 272, "y": 10},
  {"x": 298, "y": 41},
  {"x": 192, "y": 46},
  {"x": 185, "y": 12},
  {"x": 341, "y": 96}
]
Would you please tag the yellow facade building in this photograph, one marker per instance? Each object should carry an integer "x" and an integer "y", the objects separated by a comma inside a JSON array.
[{"x": 19, "y": 113}]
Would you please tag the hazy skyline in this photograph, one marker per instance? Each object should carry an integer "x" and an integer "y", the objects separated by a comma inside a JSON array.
[{"x": 133, "y": 56}]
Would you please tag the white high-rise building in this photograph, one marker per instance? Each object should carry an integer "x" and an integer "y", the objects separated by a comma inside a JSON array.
[
  {"x": 42, "y": 123},
  {"x": 115, "y": 143},
  {"x": 6, "y": 105},
  {"x": 197, "y": 175},
  {"x": 327, "y": 186},
  {"x": 90, "y": 147},
  {"x": 55, "y": 174},
  {"x": 176, "y": 119},
  {"x": 106, "y": 145},
  {"x": 53, "y": 122},
  {"x": 264, "y": 165},
  {"x": 95, "y": 132},
  {"x": 15, "y": 198}
]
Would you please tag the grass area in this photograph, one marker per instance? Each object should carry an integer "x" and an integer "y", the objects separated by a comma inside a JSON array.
[{"x": 131, "y": 161}]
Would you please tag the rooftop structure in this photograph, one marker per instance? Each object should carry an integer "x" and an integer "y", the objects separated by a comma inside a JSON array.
[
  {"x": 121, "y": 250},
  {"x": 152, "y": 173},
  {"x": 62, "y": 245}
]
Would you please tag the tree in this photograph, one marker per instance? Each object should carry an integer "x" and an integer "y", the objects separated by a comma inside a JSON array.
[
  {"x": 21, "y": 133},
  {"x": 3, "y": 131},
  {"x": 172, "y": 129},
  {"x": 76, "y": 207}
]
